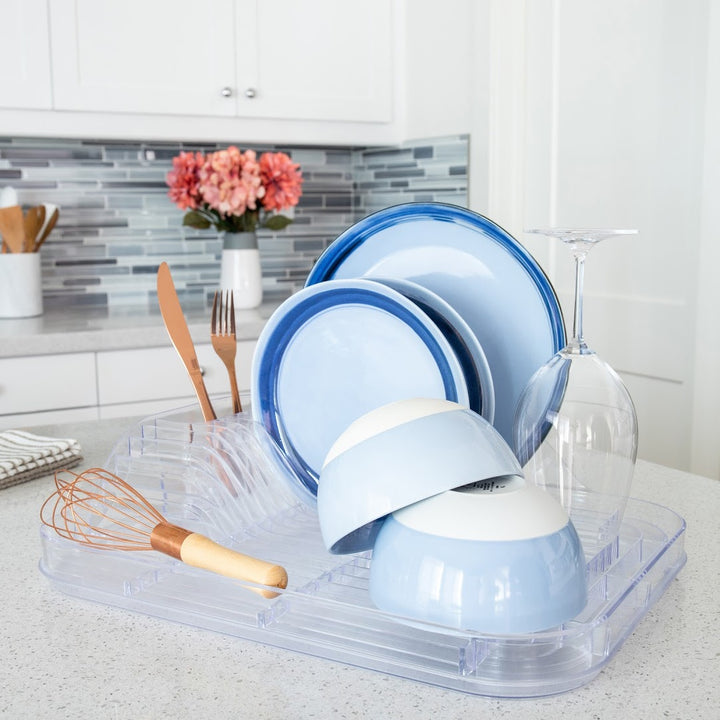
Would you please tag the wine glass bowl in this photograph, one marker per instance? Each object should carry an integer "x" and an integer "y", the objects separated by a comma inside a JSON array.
[{"x": 575, "y": 427}]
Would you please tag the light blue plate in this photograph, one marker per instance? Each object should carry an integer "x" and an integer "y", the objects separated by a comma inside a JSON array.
[
  {"x": 492, "y": 282},
  {"x": 334, "y": 351},
  {"x": 462, "y": 339}
]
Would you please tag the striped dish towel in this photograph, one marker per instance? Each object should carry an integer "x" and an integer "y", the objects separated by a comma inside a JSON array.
[{"x": 24, "y": 456}]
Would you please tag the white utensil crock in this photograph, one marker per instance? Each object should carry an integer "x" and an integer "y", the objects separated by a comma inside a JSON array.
[{"x": 20, "y": 285}]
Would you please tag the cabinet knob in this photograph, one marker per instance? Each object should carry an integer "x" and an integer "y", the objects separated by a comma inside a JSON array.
[
  {"x": 226, "y": 91},
  {"x": 250, "y": 93}
]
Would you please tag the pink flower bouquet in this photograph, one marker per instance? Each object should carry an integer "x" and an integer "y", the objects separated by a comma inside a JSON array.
[{"x": 233, "y": 191}]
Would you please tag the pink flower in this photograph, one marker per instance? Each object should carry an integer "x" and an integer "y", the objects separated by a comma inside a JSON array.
[
  {"x": 232, "y": 191},
  {"x": 230, "y": 181},
  {"x": 183, "y": 180},
  {"x": 282, "y": 180}
]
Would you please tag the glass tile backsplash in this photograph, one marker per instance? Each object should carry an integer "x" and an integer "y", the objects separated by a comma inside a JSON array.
[{"x": 117, "y": 223}]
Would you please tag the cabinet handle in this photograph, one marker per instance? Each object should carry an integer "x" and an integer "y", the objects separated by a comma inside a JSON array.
[
  {"x": 226, "y": 92},
  {"x": 250, "y": 93}
]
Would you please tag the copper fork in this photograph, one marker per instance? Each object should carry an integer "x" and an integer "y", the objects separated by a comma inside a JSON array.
[{"x": 222, "y": 334}]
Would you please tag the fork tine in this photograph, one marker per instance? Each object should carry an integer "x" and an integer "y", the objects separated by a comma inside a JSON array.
[
  {"x": 232, "y": 314},
  {"x": 213, "y": 321},
  {"x": 223, "y": 314}
]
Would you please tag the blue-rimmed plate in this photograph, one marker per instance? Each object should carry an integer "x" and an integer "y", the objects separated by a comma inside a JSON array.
[
  {"x": 334, "y": 351},
  {"x": 493, "y": 283}
]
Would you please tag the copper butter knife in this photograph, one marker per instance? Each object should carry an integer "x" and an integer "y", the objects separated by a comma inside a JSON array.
[{"x": 180, "y": 335}]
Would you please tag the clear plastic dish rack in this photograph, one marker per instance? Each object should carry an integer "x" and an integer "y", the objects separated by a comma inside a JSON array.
[{"x": 229, "y": 481}]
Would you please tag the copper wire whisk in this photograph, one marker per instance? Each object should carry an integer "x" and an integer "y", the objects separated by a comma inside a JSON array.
[{"x": 99, "y": 509}]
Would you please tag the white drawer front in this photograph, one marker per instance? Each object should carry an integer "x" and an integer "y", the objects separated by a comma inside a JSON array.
[
  {"x": 50, "y": 417},
  {"x": 140, "y": 375},
  {"x": 145, "y": 409},
  {"x": 47, "y": 382}
]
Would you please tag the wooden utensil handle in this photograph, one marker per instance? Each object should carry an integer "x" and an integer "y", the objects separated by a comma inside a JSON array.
[
  {"x": 201, "y": 552},
  {"x": 12, "y": 228}
]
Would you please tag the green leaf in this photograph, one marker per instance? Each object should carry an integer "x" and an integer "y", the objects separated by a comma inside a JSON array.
[
  {"x": 197, "y": 220},
  {"x": 277, "y": 222}
]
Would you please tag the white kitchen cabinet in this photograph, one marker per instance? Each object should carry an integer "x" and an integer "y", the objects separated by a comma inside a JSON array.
[
  {"x": 315, "y": 60},
  {"x": 42, "y": 389},
  {"x": 147, "y": 374},
  {"x": 24, "y": 55},
  {"x": 48, "y": 417},
  {"x": 146, "y": 408},
  {"x": 133, "y": 56},
  {"x": 47, "y": 382}
]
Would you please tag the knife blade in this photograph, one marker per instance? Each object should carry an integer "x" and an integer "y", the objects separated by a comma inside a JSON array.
[{"x": 177, "y": 328}]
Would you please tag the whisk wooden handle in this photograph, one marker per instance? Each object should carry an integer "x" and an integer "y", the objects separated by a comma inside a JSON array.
[{"x": 201, "y": 552}]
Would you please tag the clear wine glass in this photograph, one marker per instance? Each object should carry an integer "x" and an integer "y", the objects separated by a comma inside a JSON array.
[{"x": 575, "y": 426}]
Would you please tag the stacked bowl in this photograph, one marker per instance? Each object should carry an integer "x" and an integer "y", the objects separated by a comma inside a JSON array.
[{"x": 458, "y": 537}]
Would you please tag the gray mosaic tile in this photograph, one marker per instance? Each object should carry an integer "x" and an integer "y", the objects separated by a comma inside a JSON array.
[
  {"x": 117, "y": 222},
  {"x": 424, "y": 152},
  {"x": 405, "y": 172}
]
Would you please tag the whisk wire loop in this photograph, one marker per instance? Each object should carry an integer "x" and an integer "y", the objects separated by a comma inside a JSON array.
[{"x": 100, "y": 510}]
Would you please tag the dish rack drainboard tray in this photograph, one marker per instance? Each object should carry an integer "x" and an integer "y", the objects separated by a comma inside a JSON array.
[{"x": 227, "y": 480}]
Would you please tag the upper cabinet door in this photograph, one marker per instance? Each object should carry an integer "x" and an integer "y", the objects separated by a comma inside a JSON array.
[
  {"x": 25, "y": 55},
  {"x": 164, "y": 56},
  {"x": 315, "y": 60},
  {"x": 310, "y": 60}
]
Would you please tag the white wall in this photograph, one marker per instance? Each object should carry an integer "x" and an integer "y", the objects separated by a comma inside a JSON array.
[
  {"x": 597, "y": 117},
  {"x": 705, "y": 453},
  {"x": 445, "y": 76},
  {"x": 439, "y": 43}
]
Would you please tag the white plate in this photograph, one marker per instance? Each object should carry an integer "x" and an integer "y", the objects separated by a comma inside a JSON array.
[
  {"x": 334, "y": 351},
  {"x": 493, "y": 283}
]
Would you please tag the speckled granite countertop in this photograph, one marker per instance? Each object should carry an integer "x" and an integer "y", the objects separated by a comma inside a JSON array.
[
  {"x": 91, "y": 329},
  {"x": 62, "y": 657}
]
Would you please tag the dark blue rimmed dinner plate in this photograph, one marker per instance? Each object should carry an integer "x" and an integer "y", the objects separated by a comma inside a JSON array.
[{"x": 478, "y": 268}]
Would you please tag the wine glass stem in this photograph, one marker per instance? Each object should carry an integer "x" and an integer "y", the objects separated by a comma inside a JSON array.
[{"x": 578, "y": 313}]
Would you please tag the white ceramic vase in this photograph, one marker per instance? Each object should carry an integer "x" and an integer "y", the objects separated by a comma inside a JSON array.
[{"x": 240, "y": 269}]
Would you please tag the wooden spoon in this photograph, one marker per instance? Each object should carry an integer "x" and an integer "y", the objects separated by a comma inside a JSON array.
[
  {"x": 49, "y": 225},
  {"x": 34, "y": 219},
  {"x": 12, "y": 228}
]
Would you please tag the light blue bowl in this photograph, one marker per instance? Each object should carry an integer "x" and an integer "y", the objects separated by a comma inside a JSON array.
[
  {"x": 500, "y": 559},
  {"x": 398, "y": 454}
]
